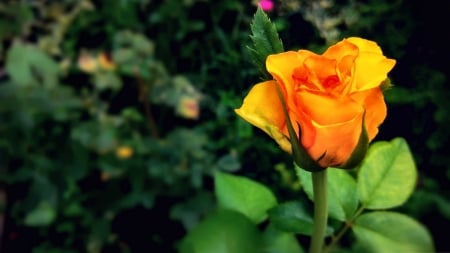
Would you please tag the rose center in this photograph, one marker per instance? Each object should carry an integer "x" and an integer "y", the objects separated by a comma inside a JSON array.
[{"x": 331, "y": 82}]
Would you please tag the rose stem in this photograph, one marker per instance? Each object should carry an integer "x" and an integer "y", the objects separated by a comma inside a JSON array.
[{"x": 319, "y": 179}]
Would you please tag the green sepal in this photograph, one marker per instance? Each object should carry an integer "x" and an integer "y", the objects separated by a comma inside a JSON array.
[
  {"x": 386, "y": 85},
  {"x": 360, "y": 150},
  {"x": 265, "y": 40},
  {"x": 301, "y": 158},
  {"x": 299, "y": 154}
]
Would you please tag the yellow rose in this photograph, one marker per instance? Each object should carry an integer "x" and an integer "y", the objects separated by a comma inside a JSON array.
[{"x": 329, "y": 96}]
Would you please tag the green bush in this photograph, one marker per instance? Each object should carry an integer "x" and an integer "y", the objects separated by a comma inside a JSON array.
[{"x": 117, "y": 115}]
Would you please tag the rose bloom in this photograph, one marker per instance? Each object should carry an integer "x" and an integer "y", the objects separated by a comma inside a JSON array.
[{"x": 330, "y": 98}]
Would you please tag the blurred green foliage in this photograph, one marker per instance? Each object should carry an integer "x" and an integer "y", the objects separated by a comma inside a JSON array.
[{"x": 117, "y": 114}]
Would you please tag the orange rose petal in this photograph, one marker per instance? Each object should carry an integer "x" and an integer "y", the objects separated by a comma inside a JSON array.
[
  {"x": 337, "y": 142},
  {"x": 345, "y": 73},
  {"x": 376, "y": 110},
  {"x": 365, "y": 46},
  {"x": 328, "y": 110},
  {"x": 320, "y": 68},
  {"x": 341, "y": 50},
  {"x": 282, "y": 66},
  {"x": 262, "y": 108},
  {"x": 370, "y": 71},
  {"x": 345, "y": 53},
  {"x": 345, "y": 66}
]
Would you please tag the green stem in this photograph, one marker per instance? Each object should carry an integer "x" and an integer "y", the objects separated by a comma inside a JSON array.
[
  {"x": 319, "y": 179},
  {"x": 347, "y": 226}
]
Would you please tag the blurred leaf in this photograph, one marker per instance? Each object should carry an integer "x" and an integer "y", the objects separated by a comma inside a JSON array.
[
  {"x": 422, "y": 202},
  {"x": 244, "y": 195},
  {"x": 342, "y": 194},
  {"x": 400, "y": 95},
  {"x": 73, "y": 209},
  {"x": 387, "y": 176},
  {"x": 132, "y": 114},
  {"x": 277, "y": 241},
  {"x": 128, "y": 45},
  {"x": 136, "y": 198},
  {"x": 107, "y": 80},
  {"x": 100, "y": 230},
  {"x": 121, "y": 14},
  {"x": 224, "y": 231},
  {"x": 229, "y": 162},
  {"x": 100, "y": 137},
  {"x": 191, "y": 211},
  {"x": 292, "y": 217},
  {"x": 28, "y": 65},
  {"x": 46, "y": 247},
  {"x": 443, "y": 205},
  {"x": 15, "y": 18},
  {"x": 42, "y": 215},
  {"x": 386, "y": 232}
]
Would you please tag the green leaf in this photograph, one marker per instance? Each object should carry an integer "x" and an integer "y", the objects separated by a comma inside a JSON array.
[
  {"x": 292, "y": 217},
  {"x": 265, "y": 40},
  {"x": 244, "y": 195},
  {"x": 224, "y": 231},
  {"x": 387, "y": 175},
  {"x": 28, "y": 65},
  {"x": 341, "y": 190},
  {"x": 276, "y": 241},
  {"x": 392, "y": 232},
  {"x": 42, "y": 215}
]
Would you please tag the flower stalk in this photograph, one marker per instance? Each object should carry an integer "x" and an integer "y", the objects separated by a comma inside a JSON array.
[{"x": 319, "y": 179}]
